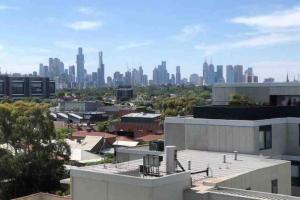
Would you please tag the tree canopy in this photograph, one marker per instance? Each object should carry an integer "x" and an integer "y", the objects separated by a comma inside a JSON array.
[{"x": 31, "y": 153}]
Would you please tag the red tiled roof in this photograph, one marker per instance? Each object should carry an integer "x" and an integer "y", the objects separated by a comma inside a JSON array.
[{"x": 92, "y": 133}]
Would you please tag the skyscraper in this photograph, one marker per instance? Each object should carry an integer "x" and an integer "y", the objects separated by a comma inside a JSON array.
[
  {"x": 219, "y": 74},
  {"x": 178, "y": 75},
  {"x": 211, "y": 74},
  {"x": 100, "y": 71},
  {"x": 229, "y": 74},
  {"x": 238, "y": 73},
  {"x": 80, "y": 68},
  {"x": 205, "y": 72}
]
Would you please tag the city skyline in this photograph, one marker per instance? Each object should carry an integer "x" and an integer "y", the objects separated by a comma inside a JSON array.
[{"x": 264, "y": 37}]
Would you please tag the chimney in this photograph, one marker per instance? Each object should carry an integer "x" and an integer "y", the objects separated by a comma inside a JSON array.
[{"x": 170, "y": 159}]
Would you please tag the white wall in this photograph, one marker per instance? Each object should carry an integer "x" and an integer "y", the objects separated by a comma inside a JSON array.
[{"x": 96, "y": 186}]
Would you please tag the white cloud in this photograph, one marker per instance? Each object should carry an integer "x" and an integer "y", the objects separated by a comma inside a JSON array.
[
  {"x": 188, "y": 32},
  {"x": 280, "y": 27},
  {"x": 6, "y": 7},
  {"x": 84, "y": 25},
  {"x": 134, "y": 44},
  {"x": 256, "y": 41},
  {"x": 85, "y": 10},
  {"x": 289, "y": 18}
]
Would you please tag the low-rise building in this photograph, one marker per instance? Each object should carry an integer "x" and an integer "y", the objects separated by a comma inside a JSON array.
[
  {"x": 268, "y": 131},
  {"x": 140, "y": 124},
  {"x": 280, "y": 94}
]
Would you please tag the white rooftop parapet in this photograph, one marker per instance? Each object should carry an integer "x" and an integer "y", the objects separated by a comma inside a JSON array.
[{"x": 170, "y": 159}]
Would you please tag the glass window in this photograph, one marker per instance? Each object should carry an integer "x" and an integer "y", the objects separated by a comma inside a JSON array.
[
  {"x": 265, "y": 137},
  {"x": 36, "y": 87},
  {"x": 17, "y": 87},
  {"x": 51, "y": 87},
  {"x": 274, "y": 184},
  {"x": 1, "y": 87}
]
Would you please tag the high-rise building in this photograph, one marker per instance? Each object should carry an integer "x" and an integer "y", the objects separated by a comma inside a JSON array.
[
  {"x": 219, "y": 74},
  {"x": 41, "y": 70},
  {"x": 173, "y": 79},
  {"x": 205, "y": 72},
  {"x": 249, "y": 76},
  {"x": 178, "y": 75},
  {"x": 238, "y": 73},
  {"x": 211, "y": 74},
  {"x": 72, "y": 73},
  {"x": 229, "y": 74},
  {"x": 56, "y": 68},
  {"x": 145, "y": 80},
  {"x": 80, "y": 68},
  {"x": 128, "y": 80},
  {"x": 100, "y": 71},
  {"x": 194, "y": 79}
]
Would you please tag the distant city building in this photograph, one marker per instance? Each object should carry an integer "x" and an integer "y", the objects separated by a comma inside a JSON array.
[
  {"x": 80, "y": 68},
  {"x": 219, "y": 74},
  {"x": 109, "y": 81},
  {"x": 101, "y": 71},
  {"x": 238, "y": 73},
  {"x": 269, "y": 80},
  {"x": 229, "y": 74},
  {"x": 178, "y": 75},
  {"x": 249, "y": 76},
  {"x": 194, "y": 79},
  {"x": 160, "y": 74},
  {"x": 205, "y": 73}
]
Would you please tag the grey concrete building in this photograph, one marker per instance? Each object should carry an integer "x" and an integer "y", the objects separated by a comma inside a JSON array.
[{"x": 261, "y": 93}]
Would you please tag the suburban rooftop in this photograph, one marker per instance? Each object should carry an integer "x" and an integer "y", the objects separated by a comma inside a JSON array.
[
  {"x": 143, "y": 115},
  {"x": 200, "y": 160}
]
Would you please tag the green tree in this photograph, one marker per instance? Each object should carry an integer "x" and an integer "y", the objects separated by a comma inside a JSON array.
[
  {"x": 241, "y": 100},
  {"x": 34, "y": 161}
]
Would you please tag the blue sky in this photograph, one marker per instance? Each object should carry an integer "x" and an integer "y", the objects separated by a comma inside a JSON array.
[{"x": 264, "y": 35}]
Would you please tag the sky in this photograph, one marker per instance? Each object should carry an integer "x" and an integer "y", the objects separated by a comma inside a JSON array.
[{"x": 264, "y": 35}]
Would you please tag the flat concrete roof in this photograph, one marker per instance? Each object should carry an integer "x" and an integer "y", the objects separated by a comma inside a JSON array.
[
  {"x": 200, "y": 160},
  {"x": 142, "y": 115}
]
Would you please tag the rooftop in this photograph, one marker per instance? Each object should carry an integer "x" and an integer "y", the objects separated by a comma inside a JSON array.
[
  {"x": 246, "y": 112},
  {"x": 227, "y": 85},
  {"x": 142, "y": 115},
  {"x": 200, "y": 160}
]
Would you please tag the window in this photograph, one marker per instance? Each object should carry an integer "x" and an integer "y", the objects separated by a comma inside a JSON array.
[
  {"x": 37, "y": 87},
  {"x": 274, "y": 184},
  {"x": 265, "y": 137},
  {"x": 299, "y": 135},
  {"x": 17, "y": 88}
]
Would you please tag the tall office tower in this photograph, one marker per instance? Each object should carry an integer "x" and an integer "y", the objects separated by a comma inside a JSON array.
[
  {"x": 145, "y": 80},
  {"x": 205, "y": 72},
  {"x": 109, "y": 81},
  {"x": 118, "y": 79},
  {"x": 194, "y": 79},
  {"x": 140, "y": 75},
  {"x": 127, "y": 79},
  {"x": 41, "y": 70},
  {"x": 229, "y": 74},
  {"x": 72, "y": 74},
  {"x": 238, "y": 73},
  {"x": 56, "y": 68},
  {"x": 46, "y": 71},
  {"x": 101, "y": 72},
  {"x": 155, "y": 76},
  {"x": 80, "y": 68},
  {"x": 219, "y": 74},
  {"x": 173, "y": 79},
  {"x": 163, "y": 75},
  {"x": 135, "y": 77},
  {"x": 211, "y": 74},
  {"x": 178, "y": 75},
  {"x": 94, "y": 79}
]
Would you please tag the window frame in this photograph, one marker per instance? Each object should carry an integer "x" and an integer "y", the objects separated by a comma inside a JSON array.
[{"x": 266, "y": 130}]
